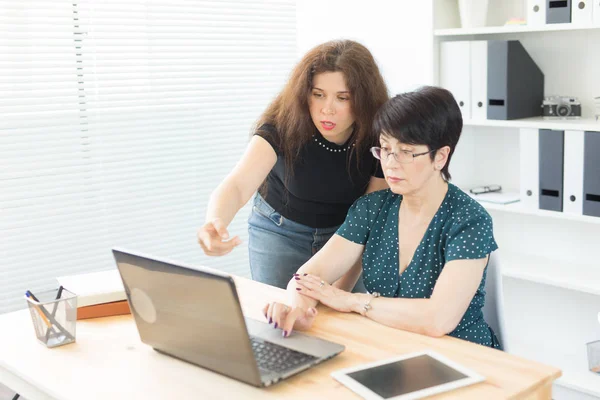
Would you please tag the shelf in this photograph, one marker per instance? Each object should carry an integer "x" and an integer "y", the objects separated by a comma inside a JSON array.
[
  {"x": 575, "y": 374},
  {"x": 567, "y": 275},
  {"x": 583, "y": 381},
  {"x": 491, "y": 30},
  {"x": 518, "y": 208},
  {"x": 583, "y": 124}
]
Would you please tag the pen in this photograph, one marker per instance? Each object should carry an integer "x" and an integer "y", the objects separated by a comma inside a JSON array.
[
  {"x": 58, "y": 295},
  {"x": 54, "y": 308}
]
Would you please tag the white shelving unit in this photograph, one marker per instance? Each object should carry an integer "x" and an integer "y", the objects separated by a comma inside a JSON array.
[
  {"x": 517, "y": 208},
  {"x": 492, "y": 30},
  {"x": 583, "y": 124},
  {"x": 581, "y": 380},
  {"x": 562, "y": 339},
  {"x": 548, "y": 260},
  {"x": 574, "y": 378},
  {"x": 579, "y": 277}
]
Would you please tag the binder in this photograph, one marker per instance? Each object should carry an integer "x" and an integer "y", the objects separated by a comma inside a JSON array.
[
  {"x": 591, "y": 174},
  {"x": 536, "y": 12},
  {"x": 551, "y": 161},
  {"x": 596, "y": 13},
  {"x": 529, "y": 163},
  {"x": 515, "y": 83},
  {"x": 582, "y": 12},
  {"x": 479, "y": 68},
  {"x": 558, "y": 11},
  {"x": 455, "y": 73},
  {"x": 573, "y": 172}
]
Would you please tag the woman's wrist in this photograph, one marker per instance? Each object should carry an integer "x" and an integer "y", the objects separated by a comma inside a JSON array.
[
  {"x": 297, "y": 300},
  {"x": 362, "y": 302},
  {"x": 358, "y": 301}
]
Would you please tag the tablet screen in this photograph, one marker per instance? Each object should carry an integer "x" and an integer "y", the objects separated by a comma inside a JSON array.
[{"x": 406, "y": 376}]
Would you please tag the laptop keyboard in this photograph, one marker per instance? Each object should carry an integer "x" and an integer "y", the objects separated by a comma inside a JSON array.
[{"x": 275, "y": 358}]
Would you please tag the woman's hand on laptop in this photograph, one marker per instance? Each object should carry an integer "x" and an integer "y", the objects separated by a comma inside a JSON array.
[
  {"x": 288, "y": 318},
  {"x": 213, "y": 238}
]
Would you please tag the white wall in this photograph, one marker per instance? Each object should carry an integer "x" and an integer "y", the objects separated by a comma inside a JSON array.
[{"x": 397, "y": 32}]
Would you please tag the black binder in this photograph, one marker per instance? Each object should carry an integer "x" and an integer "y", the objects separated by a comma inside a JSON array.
[
  {"x": 591, "y": 174},
  {"x": 552, "y": 150}
]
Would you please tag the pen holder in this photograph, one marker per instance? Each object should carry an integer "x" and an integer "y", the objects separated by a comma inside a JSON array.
[
  {"x": 54, "y": 316},
  {"x": 593, "y": 349}
]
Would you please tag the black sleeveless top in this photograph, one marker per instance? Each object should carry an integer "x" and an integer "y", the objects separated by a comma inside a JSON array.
[{"x": 326, "y": 180}]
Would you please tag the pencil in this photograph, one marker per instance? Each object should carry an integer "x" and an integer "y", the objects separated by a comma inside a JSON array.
[{"x": 40, "y": 312}]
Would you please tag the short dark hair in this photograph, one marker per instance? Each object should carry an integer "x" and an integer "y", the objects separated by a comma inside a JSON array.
[{"x": 427, "y": 116}]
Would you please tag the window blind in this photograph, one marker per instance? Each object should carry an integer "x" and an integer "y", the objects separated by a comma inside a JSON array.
[{"x": 118, "y": 119}]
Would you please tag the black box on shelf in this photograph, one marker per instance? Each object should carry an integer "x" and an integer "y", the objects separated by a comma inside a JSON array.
[{"x": 515, "y": 84}]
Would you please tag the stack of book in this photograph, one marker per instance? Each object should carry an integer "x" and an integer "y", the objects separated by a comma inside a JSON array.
[{"x": 99, "y": 294}]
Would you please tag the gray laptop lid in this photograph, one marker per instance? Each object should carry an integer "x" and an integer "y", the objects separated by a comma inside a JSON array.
[{"x": 191, "y": 314}]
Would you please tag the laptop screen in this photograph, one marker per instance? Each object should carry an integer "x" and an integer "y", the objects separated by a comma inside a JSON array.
[{"x": 188, "y": 313}]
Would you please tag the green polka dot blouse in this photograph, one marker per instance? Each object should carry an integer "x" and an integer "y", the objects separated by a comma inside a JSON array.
[{"x": 460, "y": 229}]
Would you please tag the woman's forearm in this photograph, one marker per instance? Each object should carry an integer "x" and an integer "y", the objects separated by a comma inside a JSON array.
[
  {"x": 225, "y": 201},
  {"x": 296, "y": 299},
  {"x": 349, "y": 279},
  {"x": 330, "y": 263},
  {"x": 414, "y": 315},
  {"x": 314, "y": 266}
]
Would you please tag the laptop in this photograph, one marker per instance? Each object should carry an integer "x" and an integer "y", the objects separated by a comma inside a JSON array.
[{"x": 194, "y": 314}]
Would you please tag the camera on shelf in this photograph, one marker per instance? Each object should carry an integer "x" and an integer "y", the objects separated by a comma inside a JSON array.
[{"x": 561, "y": 107}]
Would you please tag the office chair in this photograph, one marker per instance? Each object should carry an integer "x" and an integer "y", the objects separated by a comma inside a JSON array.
[{"x": 493, "y": 310}]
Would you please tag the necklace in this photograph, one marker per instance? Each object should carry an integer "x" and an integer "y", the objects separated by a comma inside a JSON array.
[{"x": 326, "y": 147}]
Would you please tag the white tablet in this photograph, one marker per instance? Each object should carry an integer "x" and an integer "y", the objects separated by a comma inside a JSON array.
[{"x": 411, "y": 376}]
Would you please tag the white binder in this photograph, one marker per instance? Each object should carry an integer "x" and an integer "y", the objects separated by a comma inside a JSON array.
[
  {"x": 573, "y": 172},
  {"x": 536, "y": 12},
  {"x": 582, "y": 11},
  {"x": 479, "y": 57},
  {"x": 596, "y": 12},
  {"x": 529, "y": 147},
  {"x": 455, "y": 73}
]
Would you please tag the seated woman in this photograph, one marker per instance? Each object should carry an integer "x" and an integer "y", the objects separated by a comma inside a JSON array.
[{"x": 424, "y": 243}]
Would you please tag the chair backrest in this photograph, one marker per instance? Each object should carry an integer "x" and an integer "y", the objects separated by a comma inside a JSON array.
[{"x": 493, "y": 310}]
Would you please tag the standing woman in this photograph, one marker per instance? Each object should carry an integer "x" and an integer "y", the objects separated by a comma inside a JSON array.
[{"x": 309, "y": 159}]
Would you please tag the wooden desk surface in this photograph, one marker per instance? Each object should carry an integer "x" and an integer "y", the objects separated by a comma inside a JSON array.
[{"x": 109, "y": 361}]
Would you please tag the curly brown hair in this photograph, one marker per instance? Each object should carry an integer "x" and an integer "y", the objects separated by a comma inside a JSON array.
[{"x": 290, "y": 114}]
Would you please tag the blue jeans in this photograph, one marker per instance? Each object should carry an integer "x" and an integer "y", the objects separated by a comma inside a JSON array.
[{"x": 278, "y": 246}]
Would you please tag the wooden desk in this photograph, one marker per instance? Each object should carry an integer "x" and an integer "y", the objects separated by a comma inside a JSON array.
[{"x": 108, "y": 361}]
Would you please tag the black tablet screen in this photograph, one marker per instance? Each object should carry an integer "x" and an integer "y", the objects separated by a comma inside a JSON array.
[{"x": 406, "y": 376}]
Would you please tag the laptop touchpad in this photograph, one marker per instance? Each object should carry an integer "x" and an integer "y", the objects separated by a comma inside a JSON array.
[{"x": 296, "y": 341}]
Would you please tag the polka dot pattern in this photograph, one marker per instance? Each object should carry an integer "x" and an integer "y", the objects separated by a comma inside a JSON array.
[{"x": 461, "y": 229}]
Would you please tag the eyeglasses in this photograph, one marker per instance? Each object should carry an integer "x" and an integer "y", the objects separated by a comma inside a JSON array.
[
  {"x": 403, "y": 156},
  {"x": 486, "y": 189}
]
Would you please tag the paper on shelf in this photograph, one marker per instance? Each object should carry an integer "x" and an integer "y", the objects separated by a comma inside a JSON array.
[
  {"x": 496, "y": 197},
  {"x": 95, "y": 288}
]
